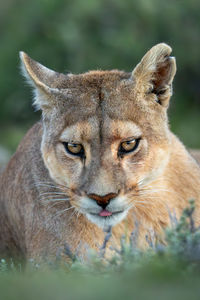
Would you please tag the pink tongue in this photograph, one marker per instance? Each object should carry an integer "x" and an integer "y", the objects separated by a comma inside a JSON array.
[{"x": 105, "y": 213}]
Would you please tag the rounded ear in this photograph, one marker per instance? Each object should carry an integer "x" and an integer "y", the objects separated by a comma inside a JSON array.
[
  {"x": 45, "y": 81},
  {"x": 156, "y": 71}
]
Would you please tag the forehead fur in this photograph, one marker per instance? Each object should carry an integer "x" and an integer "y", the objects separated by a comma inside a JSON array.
[
  {"x": 92, "y": 79},
  {"x": 110, "y": 129},
  {"x": 106, "y": 95},
  {"x": 140, "y": 96}
]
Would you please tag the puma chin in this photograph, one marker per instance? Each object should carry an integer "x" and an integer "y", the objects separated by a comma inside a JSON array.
[{"x": 113, "y": 214}]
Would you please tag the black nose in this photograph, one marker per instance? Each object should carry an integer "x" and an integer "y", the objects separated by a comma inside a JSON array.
[{"x": 102, "y": 201}]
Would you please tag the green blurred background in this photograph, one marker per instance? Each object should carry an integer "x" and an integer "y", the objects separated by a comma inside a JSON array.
[{"x": 79, "y": 35}]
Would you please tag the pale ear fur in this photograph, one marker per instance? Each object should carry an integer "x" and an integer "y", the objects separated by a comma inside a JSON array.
[
  {"x": 155, "y": 72},
  {"x": 42, "y": 79}
]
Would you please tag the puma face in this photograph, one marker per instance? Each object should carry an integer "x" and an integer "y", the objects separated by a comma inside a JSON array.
[{"x": 105, "y": 133}]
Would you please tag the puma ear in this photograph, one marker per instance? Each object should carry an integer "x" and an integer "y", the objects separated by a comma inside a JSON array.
[
  {"x": 155, "y": 73},
  {"x": 42, "y": 79}
]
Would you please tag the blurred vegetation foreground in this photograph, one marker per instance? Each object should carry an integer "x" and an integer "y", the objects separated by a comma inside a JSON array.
[
  {"x": 90, "y": 34},
  {"x": 163, "y": 272}
]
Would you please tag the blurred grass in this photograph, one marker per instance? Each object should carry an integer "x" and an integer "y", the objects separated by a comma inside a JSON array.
[
  {"x": 184, "y": 118},
  {"x": 150, "y": 282},
  {"x": 11, "y": 135}
]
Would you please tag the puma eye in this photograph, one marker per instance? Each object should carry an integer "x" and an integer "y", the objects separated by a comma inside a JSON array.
[
  {"x": 74, "y": 149},
  {"x": 128, "y": 146}
]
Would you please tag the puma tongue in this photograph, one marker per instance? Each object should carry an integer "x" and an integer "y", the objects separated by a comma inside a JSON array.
[{"x": 105, "y": 213}]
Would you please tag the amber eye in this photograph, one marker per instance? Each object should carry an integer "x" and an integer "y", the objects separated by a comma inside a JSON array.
[
  {"x": 128, "y": 146},
  {"x": 74, "y": 149}
]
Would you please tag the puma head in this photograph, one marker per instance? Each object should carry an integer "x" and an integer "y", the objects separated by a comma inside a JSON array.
[{"x": 105, "y": 133}]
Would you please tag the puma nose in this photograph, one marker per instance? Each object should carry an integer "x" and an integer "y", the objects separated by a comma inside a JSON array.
[{"x": 102, "y": 201}]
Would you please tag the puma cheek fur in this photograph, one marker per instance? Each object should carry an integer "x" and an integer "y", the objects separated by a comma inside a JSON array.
[{"x": 102, "y": 155}]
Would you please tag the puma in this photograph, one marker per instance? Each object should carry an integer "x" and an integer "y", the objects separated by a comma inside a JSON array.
[{"x": 102, "y": 155}]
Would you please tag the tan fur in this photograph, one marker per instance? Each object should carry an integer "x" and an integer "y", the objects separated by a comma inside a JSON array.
[{"x": 44, "y": 202}]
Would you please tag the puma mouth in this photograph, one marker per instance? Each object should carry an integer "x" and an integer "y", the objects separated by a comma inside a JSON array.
[
  {"x": 106, "y": 218},
  {"x": 104, "y": 213}
]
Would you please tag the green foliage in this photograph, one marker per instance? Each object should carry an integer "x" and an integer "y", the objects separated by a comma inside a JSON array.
[
  {"x": 170, "y": 272},
  {"x": 184, "y": 239},
  {"x": 80, "y": 35}
]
